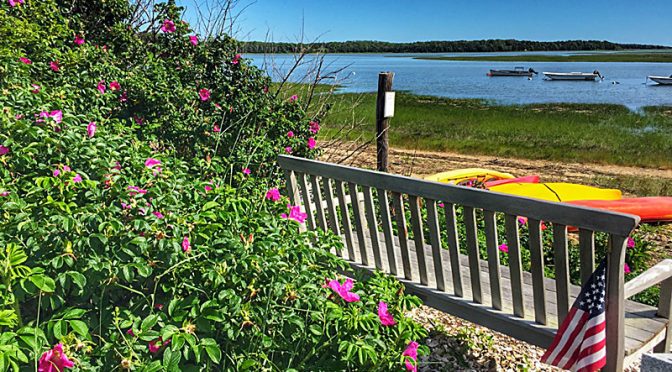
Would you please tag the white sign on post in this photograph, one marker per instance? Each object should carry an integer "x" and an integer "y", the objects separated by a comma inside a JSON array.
[{"x": 389, "y": 105}]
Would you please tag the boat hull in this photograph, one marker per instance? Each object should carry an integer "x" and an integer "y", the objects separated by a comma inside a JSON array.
[
  {"x": 525, "y": 179},
  {"x": 571, "y": 76},
  {"x": 463, "y": 176},
  {"x": 510, "y": 73},
  {"x": 661, "y": 80},
  {"x": 558, "y": 192},
  {"x": 649, "y": 209}
]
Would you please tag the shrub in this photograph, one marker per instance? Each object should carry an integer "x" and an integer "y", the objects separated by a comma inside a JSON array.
[{"x": 135, "y": 235}]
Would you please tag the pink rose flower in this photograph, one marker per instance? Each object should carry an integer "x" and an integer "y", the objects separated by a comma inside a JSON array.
[
  {"x": 91, "y": 129},
  {"x": 314, "y": 127},
  {"x": 522, "y": 221},
  {"x": 26, "y": 60},
  {"x": 158, "y": 215},
  {"x": 36, "y": 88},
  {"x": 411, "y": 353},
  {"x": 631, "y": 242},
  {"x": 4, "y": 150},
  {"x": 235, "y": 59},
  {"x": 151, "y": 163},
  {"x": 294, "y": 214},
  {"x": 168, "y": 26},
  {"x": 54, "y": 66},
  {"x": 56, "y": 173},
  {"x": 504, "y": 248},
  {"x": 204, "y": 94},
  {"x": 54, "y": 360},
  {"x": 207, "y": 188},
  {"x": 626, "y": 268},
  {"x": 123, "y": 97},
  {"x": 186, "y": 245},
  {"x": 273, "y": 194},
  {"x": 115, "y": 85},
  {"x": 311, "y": 143},
  {"x": 216, "y": 129},
  {"x": 77, "y": 178},
  {"x": 343, "y": 290},
  {"x": 14, "y": 3},
  {"x": 4, "y": 193},
  {"x": 101, "y": 87},
  {"x": 385, "y": 317},
  {"x": 288, "y": 149},
  {"x": 247, "y": 171},
  {"x": 79, "y": 40},
  {"x": 156, "y": 345},
  {"x": 293, "y": 98},
  {"x": 193, "y": 40},
  {"x": 66, "y": 168},
  {"x": 290, "y": 134}
]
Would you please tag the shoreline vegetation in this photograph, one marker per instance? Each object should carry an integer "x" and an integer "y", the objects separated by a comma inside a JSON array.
[
  {"x": 664, "y": 57},
  {"x": 566, "y": 132},
  {"x": 456, "y": 46}
]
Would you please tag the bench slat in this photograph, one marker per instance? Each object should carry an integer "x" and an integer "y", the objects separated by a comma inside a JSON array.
[
  {"x": 331, "y": 207},
  {"x": 359, "y": 222},
  {"x": 319, "y": 202},
  {"x": 561, "y": 270},
  {"x": 515, "y": 264},
  {"x": 345, "y": 220},
  {"x": 370, "y": 212},
  {"x": 386, "y": 221},
  {"x": 453, "y": 248},
  {"x": 435, "y": 241},
  {"x": 418, "y": 237},
  {"x": 472, "y": 249},
  {"x": 402, "y": 230},
  {"x": 493, "y": 258},
  {"x": 305, "y": 196},
  {"x": 586, "y": 253},
  {"x": 537, "y": 268}
]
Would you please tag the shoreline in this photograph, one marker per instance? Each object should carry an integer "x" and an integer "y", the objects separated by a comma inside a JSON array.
[{"x": 616, "y": 57}]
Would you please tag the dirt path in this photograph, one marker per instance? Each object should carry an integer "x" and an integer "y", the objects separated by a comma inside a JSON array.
[{"x": 421, "y": 163}]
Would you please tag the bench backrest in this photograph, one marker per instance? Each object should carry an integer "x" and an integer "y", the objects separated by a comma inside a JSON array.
[{"x": 368, "y": 193}]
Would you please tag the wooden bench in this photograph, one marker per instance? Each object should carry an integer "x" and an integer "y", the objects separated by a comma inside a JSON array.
[{"x": 364, "y": 207}]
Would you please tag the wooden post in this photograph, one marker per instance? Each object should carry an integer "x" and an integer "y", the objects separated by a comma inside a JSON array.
[{"x": 382, "y": 123}]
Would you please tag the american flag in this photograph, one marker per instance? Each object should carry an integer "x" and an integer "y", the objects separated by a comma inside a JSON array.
[{"x": 581, "y": 341}]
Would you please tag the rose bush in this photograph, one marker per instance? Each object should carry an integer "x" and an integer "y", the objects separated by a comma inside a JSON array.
[{"x": 140, "y": 222}]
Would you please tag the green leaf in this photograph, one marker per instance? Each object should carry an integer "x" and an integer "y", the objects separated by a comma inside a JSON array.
[
  {"x": 78, "y": 279},
  {"x": 79, "y": 327},
  {"x": 210, "y": 205},
  {"x": 60, "y": 329},
  {"x": 149, "y": 322},
  {"x": 43, "y": 282},
  {"x": 212, "y": 349}
]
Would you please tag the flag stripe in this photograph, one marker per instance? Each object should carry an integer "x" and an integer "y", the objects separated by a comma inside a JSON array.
[{"x": 568, "y": 331}]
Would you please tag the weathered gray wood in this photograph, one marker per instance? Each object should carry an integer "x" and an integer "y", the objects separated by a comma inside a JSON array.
[
  {"x": 567, "y": 214},
  {"x": 359, "y": 222},
  {"x": 665, "y": 311},
  {"x": 345, "y": 220},
  {"x": 615, "y": 312},
  {"x": 372, "y": 222},
  {"x": 305, "y": 196},
  {"x": 317, "y": 197},
  {"x": 561, "y": 270},
  {"x": 435, "y": 241},
  {"x": 382, "y": 123},
  {"x": 453, "y": 248},
  {"x": 652, "y": 276},
  {"x": 586, "y": 253},
  {"x": 472, "y": 248},
  {"x": 402, "y": 230},
  {"x": 386, "y": 222},
  {"x": 493, "y": 258},
  {"x": 331, "y": 207},
  {"x": 515, "y": 264},
  {"x": 537, "y": 268},
  {"x": 418, "y": 237},
  {"x": 293, "y": 191}
]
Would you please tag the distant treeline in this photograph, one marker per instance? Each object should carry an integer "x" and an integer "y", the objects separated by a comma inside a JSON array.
[{"x": 493, "y": 45}]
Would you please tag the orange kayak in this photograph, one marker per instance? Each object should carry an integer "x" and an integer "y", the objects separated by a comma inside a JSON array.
[
  {"x": 526, "y": 179},
  {"x": 650, "y": 209}
]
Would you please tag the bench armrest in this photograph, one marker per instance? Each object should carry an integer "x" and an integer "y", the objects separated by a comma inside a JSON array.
[{"x": 654, "y": 275}]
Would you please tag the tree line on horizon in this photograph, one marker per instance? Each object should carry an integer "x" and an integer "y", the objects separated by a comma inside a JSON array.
[{"x": 457, "y": 46}]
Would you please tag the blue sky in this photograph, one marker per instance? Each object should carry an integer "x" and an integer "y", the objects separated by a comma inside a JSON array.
[{"x": 643, "y": 21}]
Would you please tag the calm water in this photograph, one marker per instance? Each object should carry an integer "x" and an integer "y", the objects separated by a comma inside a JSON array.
[{"x": 467, "y": 79}]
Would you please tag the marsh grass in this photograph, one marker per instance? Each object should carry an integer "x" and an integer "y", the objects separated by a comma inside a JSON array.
[{"x": 595, "y": 133}]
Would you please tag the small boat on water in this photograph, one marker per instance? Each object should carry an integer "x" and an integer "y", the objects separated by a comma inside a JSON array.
[
  {"x": 663, "y": 80},
  {"x": 517, "y": 71},
  {"x": 589, "y": 76}
]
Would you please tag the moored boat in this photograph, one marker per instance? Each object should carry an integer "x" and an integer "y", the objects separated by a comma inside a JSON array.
[
  {"x": 469, "y": 176},
  {"x": 583, "y": 76},
  {"x": 649, "y": 209},
  {"x": 663, "y": 80},
  {"x": 557, "y": 191},
  {"x": 517, "y": 71}
]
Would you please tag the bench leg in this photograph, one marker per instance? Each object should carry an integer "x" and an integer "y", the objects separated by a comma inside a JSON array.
[{"x": 665, "y": 311}]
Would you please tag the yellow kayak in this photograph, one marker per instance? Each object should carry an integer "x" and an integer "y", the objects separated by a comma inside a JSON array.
[
  {"x": 462, "y": 176},
  {"x": 558, "y": 192}
]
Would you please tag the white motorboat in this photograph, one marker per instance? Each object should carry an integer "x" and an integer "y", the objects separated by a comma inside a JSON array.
[
  {"x": 590, "y": 76},
  {"x": 663, "y": 80}
]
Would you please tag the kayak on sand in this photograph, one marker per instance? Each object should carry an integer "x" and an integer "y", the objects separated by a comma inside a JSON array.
[
  {"x": 558, "y": 192},
  {"x": 649, "y": 209},
  {"x": 468, "y": 176}
]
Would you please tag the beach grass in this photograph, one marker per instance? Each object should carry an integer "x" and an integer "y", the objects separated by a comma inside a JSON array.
[
  {"x": 598, "y": 57},
  {"x": 593, "y": 133}
]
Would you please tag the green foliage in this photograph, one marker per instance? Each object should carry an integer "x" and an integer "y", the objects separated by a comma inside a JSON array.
[{"x": 143, "y": 245}]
